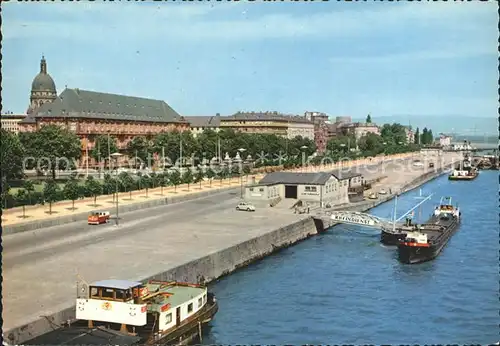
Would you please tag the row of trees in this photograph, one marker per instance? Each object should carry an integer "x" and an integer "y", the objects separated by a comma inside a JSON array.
[
  {"x": 392, "y": 140},
  {"x": 124, "y": 182},
  {"x": 44, "y": 148}
]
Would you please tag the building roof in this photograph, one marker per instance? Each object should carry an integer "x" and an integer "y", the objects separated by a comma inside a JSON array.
[
  {"x": 295, "y": 178},
  {"x": 29, "y": 119},
  {"x": 13, "y": 116},
  {"x": 76, "y": 103},
  {"x": 43, "y": 81},
  {"x": 203, "y": 121},
  {"x": 268, "y": 116},
  {"x": 358, "y": 124},
  {"x": 119, "y": 284},
  {"x": 342, "y": 174}
]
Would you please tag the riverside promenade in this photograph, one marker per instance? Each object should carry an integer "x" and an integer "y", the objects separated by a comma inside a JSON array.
[
  {"x": 32, "y": 214},
  {"x": 40, "y": 269}
]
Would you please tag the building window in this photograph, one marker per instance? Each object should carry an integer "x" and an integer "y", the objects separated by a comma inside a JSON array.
[
  {"x": 261, "y": 189},
  {"x": 251, "y": 189},
  {"x": 200, "y": 302},
  {"x": 190, "y": 307},
  {"x": 168, "y": 318}
]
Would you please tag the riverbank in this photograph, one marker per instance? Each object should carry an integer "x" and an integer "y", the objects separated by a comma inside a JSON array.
[{"x": 227, "y": 241}]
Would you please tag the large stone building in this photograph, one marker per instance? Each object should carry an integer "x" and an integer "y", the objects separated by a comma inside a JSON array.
[
  {"x": 345, "y": 126},
  {"x": 321, "y": 129},
  {"x": 198, "y": 124},
  {"x": 43, "y": 88},
  {"x": 312, "y": 188},
  {"x": 288, "y": 126},
  {"x": 90, "y": 113},
  {"x": 10, "y": 121}
]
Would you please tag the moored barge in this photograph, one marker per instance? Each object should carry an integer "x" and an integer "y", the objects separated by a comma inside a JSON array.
[
  {"x": 134, "y": 313},
  {"x": 427, "y": 240}
]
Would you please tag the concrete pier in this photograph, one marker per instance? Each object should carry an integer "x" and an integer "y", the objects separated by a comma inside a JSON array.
[{"x": 197, "y": 240}]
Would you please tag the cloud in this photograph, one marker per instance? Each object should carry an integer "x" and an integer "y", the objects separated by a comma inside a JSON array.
[{"x": 211, "y": 21}]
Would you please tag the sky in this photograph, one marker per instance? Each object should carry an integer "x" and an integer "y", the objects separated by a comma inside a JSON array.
[{"x": 414, "y": 60}]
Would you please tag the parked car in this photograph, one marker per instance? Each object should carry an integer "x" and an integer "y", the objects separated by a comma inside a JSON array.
[
  {"x": 244, "y": 206},
  {"x": 382, "y": 192},
  {"x": 431, "y": 165}
]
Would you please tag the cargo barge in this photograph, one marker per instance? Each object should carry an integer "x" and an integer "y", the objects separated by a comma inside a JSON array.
[
  {"x": 426, "y": 241},
  {"x": 121, "y": 312}
]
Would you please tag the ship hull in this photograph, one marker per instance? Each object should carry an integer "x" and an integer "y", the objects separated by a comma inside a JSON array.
[
  {"x": 391, "y": 239},
  {"x": 187, "y": 332},
  {"x": 415, "y": 254},
  {"x": 466, "y": 177}
]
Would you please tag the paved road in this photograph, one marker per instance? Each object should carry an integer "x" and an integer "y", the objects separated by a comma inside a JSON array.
[{"x": 25, "y": 247}]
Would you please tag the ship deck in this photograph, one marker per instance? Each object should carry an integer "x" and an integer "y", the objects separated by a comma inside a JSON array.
[
  {"x": 435, "y": 227},
  {"x": 84, "y": 336},
  {"x": 180, "y": 295}
]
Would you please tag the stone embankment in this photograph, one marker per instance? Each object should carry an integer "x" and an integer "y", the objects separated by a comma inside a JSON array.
[{"x": 210, "y": 257}]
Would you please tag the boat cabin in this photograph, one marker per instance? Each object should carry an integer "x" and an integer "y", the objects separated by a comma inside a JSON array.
[
  {"x": 416, "y": 237},
  {"x": 114, "y": 301},
  {"x": 157, "y": 306}
]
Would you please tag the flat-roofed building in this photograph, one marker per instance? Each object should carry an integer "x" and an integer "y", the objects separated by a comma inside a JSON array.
[
  {"x": 10, "y": 122},
  {"x": 288, "y": 126},
  {"x": 313, "y": 188}
]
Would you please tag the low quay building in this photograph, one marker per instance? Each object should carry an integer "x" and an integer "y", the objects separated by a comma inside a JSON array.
[
  {"x": 288, "y": 126},
  {"x": 313, "y": 188}
]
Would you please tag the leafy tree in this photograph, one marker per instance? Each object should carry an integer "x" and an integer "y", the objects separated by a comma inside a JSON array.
[
  {"x": 144, "y": 182},
  {"x": 371, "y": 144},
  {"x": 5, "y": 191},
  {"x": 29, "y": 187},
  {"x": 235, "y": 170},
  {"x": 22, "y": 197},
  {"x": 368, "y": 119},
  {"x": 155, "y": 180},
  {"x": 417, "y": 136},
  {"x": 109, "y": 185},
  {"x": 72, "y": 191},
  {"x": 54, "y": 148},
  {"x": 127, "y": 182},
  {"x": 210, "y": 174},
  {"x": 100, "y": 150},
  {"x": 139, "y": 147},
  {"x": 163, "y": 180},
  {"x": 94, "y": 188},
  {"x": 198, "y": 178},
  {"x": 187, "y": 177},
  {"x": 11, "y": 155},
  {"x": 175, "y": 178},
  {"x": 50, "y": 193},
  {"x": 224, "y": 173}
]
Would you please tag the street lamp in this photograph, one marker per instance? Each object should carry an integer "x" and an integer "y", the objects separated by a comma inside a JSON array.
[
  {"x": 116, "y": 156},
  {"x": 302, "y": 149},
  {"x": 241, "y": 150}
]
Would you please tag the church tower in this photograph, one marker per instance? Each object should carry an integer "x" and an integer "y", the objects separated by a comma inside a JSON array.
[{"x": 43, "y": 88}]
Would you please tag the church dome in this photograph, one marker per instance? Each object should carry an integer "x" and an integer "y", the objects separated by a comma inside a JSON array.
[{"x": 43, "y": 81}]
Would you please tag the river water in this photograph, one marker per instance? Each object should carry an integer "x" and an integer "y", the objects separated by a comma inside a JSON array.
[{"x": 344, "y": 287}]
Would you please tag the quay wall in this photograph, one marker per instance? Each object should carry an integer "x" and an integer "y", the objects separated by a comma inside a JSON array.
[
  {"x": 215, "y": 265},
  {"x": 203, "y": 270},
  {"x": 62, "y": 220}
]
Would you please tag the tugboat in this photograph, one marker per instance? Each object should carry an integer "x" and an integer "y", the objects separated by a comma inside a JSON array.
[
  {"x": 427, "y": 240},
  {"x": 128, "y": 312},
  {"x": 464, "y": 171}
]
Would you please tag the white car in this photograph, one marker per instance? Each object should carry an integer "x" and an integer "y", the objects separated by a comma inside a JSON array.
[
  {"x": 244, "y": 206},
  {"x": 418, "y": 164},
  {"x": 382, "y": 192}
]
